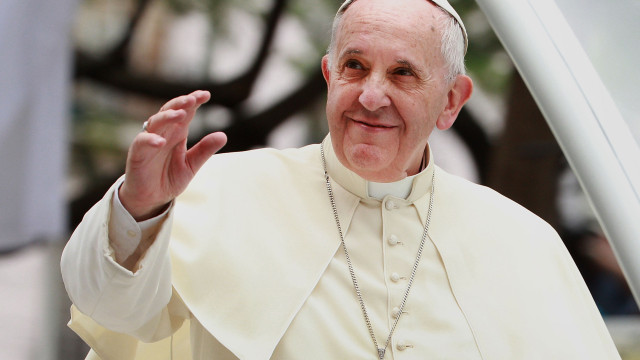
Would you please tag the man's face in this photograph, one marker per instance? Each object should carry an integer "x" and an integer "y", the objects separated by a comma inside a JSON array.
[{"x": 386, "y": 87}]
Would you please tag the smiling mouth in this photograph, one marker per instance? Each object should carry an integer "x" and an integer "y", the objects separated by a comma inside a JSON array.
[{"x": 378, "y": 126}]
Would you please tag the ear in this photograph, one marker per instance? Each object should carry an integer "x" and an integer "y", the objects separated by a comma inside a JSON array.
[
  {"x": 458, "y": 95},
  {"x": 326, "y": 72}
]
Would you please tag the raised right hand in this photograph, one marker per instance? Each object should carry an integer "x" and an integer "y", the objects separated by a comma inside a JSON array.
[{"x": 159, "y": 166}]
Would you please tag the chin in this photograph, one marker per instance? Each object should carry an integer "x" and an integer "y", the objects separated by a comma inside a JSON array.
[
  {"x": 371, "y": 165},
  {"x": 369, "y": 157}
]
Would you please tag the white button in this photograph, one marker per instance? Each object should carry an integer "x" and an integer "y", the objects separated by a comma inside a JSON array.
[
  {"x": 402, "y": 345},
  {"x": 395, "y": 277},
  {"x": 131, "y": 233},
  {"x": 393, "y": 240},
  {"x": 395, "y": 312},
  {"x": 390, "y": 205}
]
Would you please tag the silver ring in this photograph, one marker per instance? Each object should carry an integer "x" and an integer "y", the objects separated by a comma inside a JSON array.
[{"x": 145, "y": 126}]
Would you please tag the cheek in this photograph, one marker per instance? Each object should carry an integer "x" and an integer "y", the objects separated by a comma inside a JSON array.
[
  {"x": 334, "y": 96},
  {"x": 340, "y": 98},
  {"x": 419, "y": 122},
  {"x": 345, "y": 94}
]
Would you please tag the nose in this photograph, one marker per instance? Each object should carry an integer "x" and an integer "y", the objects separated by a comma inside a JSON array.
[{"x": 374, "y": 93}]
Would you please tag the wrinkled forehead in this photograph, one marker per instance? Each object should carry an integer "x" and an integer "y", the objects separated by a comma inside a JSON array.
[{"x": 443, "y": 4}]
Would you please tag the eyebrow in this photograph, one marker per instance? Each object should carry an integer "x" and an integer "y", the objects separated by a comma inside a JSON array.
[
  {"x": 351, "y": 52},
  {"x": 406, "y": 63}
]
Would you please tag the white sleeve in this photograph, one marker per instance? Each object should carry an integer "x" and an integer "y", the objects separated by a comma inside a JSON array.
[
  {"x": 113, "y": 296},
  {"x": 124, "y": 232}
]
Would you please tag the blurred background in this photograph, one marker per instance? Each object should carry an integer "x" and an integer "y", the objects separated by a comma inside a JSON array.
[{"x": 78, "y": 78}]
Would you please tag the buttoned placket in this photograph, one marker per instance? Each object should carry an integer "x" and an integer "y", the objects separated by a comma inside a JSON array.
[{"x": 399, "y": 256}]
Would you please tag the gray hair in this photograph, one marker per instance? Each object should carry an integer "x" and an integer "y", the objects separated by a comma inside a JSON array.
[{"x": 452, "y": 41}]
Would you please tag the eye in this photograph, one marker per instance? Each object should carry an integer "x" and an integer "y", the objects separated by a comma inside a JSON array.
[
  {"x": 403, "y": 72},
  {"x": 353, "y": 64}
]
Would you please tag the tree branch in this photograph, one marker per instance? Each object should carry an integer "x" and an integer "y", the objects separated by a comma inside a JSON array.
[
  {"x": 111, "y": 70},
  {"x": 246, "y": 132},
  {"x": 118, "y": 54}
]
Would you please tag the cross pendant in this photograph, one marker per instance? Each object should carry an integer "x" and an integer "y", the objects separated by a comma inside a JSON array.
[{"x": 381, "y": 354}]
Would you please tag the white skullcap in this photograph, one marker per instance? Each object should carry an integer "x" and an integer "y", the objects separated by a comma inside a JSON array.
[{"x": 443, "y": 4}]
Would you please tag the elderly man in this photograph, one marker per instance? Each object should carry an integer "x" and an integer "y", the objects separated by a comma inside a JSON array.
[{"x": 356, "y": 248}]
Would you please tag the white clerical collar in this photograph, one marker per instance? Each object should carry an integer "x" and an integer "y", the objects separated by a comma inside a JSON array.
[{"x": 400, "y": 189}]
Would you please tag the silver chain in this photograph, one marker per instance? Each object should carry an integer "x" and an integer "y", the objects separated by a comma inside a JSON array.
[{"x": 380, "y": 351}]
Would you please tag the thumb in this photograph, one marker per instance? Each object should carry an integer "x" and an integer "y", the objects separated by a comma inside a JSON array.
[{"x": 204, "y": 149}]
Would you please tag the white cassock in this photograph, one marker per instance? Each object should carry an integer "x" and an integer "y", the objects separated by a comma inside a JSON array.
[{"x": 249, "y": 265}]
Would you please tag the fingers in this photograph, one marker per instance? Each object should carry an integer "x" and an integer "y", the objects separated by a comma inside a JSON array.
[
  {"x": 204, "y": 149},
  {"x": 145, "y": 146},
  {"x": 193, "y": 100},
  {"x": 175, "y": 111},
  {"x": 170, "y": 124},
  {"x": 159, "y": 122}
]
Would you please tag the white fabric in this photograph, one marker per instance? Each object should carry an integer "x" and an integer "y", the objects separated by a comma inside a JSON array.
[
  {"x": 256, "y": 286},
  {"x": 35, "y": 59},
  {"x": 396, "y": 247},
  {"x": 400, "y": 189},
  {"x": 124, "y": 232}
]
